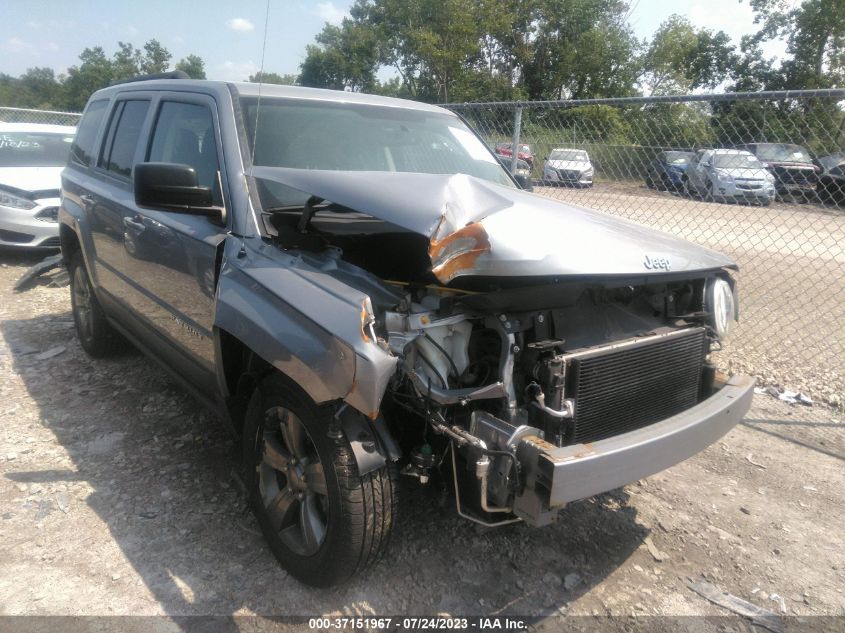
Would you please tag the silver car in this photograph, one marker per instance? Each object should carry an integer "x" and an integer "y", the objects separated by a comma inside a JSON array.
[
  {"x": 31, "y": 160},
  {"x": 569, "y": 167},
  {"x": 723, "y": 174}
]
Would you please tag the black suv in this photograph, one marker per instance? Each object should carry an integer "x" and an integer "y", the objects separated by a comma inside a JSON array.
[
  {"x": 360, "y": 289},
  {"x": 792, "y": 166}
]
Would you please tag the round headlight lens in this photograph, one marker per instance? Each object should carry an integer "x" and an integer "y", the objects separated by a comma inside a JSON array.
[{"x": 721, "y": 306}]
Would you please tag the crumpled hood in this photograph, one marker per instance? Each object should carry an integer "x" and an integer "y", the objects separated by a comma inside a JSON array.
[
  {"x": 31, "y": 178},
  {"x": 478, "y": 228}
]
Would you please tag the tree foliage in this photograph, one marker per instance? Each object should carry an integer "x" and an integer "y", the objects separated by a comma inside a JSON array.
[
  {"x": 42, "y": 88},
  {"x": 274, "y": 78}
]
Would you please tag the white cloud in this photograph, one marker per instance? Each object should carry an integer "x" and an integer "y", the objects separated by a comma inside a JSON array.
[
  {"x": 240, "y": 24},
  {"x": 131, "y": 30},
  {"x": 234, "y": 71},
  {"x": 17, "y": 46},
  {"x": 331, "y": 13},
  {"x": 34, "y": 24}
]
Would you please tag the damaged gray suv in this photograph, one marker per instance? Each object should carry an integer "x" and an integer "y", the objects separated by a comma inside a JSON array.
[{"x": 363, "y": 292}]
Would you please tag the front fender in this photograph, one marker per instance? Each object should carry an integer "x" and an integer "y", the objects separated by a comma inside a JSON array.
[{"x": 303, "y": 322}]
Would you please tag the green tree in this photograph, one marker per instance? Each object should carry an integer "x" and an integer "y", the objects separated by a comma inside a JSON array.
[
  {"x": 94, "y": 72},
  {"x": 274, "y": 78},
  {"x": 814, "y": 31},
  {"x": 126, "y": 62},
  {"x": 344, "y": 58},
  {"x": 680, "y": 58},
  {"x": 155, "y": 59},
  {"x": 193, "y": 66},
  {"x": 40, "y": 88}
]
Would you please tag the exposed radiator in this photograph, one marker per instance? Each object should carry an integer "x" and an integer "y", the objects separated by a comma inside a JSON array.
[{"x": 629, "y": 385}]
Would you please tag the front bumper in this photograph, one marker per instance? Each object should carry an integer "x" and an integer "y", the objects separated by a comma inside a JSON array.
[
  {"x": 20, "y": 228},
  {"x": 555, "y": 476},
  {"x": 581, "y": 179},
  {"x": 745, "y": 192}
]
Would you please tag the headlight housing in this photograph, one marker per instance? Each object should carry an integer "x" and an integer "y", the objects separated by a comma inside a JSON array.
[
  {"x": 724, "y": 177},
  {"x": 8, "y": 199},
  {"x": 721, "y": 306}
]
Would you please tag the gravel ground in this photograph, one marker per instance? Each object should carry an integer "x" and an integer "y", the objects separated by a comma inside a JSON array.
[{"x": 117, "y": 496}]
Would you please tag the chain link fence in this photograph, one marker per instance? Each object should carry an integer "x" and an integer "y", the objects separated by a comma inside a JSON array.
[
  {"x": 647, "y": 159},
  {"x": 24, "y": 115},
  {"x": 758, "y": 176}
]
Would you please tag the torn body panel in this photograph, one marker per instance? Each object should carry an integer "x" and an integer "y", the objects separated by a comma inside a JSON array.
[{"x": 305, "y": 322}]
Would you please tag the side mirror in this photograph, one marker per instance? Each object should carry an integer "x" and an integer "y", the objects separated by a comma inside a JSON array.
[{"x": 173, "y": 187}]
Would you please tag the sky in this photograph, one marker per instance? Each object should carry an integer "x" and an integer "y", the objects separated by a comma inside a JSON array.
[{"x": 229, "y": 35}]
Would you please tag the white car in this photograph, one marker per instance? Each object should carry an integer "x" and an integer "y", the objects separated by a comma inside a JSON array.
[
  {"x": 729, "y": 174},
  {"x": 568, "y": 166},
  {"x": 32, "y": 157}
]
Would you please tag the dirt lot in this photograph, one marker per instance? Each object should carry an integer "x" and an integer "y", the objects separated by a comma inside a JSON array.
[{"x": 117, "y": 497}]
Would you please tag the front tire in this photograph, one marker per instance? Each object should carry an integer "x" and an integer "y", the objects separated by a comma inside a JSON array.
[
  {"x": 322, "y": 520},
  {"x": 96, "y": 335}
]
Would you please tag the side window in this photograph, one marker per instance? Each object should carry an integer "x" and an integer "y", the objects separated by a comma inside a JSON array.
[
  {"x": 83, "y": 143},
  {"x": 184, "y": 134},
  {"x": 122, "y": 139}
]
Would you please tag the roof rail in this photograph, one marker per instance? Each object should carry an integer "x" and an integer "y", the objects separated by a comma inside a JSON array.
[{"x": 173, "y": 74}]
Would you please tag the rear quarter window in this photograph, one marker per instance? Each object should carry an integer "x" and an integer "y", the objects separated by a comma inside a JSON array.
[
  {"x": 122, "y": 139},
  {"x": 82, "y": 148}
]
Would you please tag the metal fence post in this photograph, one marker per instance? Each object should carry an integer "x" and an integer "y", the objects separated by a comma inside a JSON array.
[{"x": 517, "y": 130}]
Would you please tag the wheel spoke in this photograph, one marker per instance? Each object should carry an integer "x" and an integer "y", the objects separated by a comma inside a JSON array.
[
  {"x": 311, "y": 523},
  {"x": 316, "y": 479},
  {"x": 294, "y": 435},
  {"x": 274, "y": 453},
  {"x": 280, "y": 509}
]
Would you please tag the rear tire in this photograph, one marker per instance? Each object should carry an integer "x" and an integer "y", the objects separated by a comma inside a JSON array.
[
  {"x": 322, "y": 520},
  {"x": 96, "y": 335}
]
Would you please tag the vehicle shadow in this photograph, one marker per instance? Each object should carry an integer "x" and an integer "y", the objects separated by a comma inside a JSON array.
[{"x": 158, "y": 474}]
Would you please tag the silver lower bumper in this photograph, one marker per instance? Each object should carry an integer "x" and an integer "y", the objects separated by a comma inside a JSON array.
[{"x": 555, "y": 476}]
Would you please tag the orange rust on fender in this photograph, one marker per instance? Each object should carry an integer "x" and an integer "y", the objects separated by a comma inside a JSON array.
[
  {"x": 447, "y": 268},
  {"x": 364, "y": 316}
]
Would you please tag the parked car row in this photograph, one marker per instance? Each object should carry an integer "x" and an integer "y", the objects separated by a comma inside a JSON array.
[{"x": 756, "y": 172}]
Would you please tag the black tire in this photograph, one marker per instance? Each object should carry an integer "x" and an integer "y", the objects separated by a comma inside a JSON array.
[
  {"x": 96, "y": 335},
  {"x": 334, "y": 528}
]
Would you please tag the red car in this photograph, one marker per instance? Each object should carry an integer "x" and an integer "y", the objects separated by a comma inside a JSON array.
[{"x": 525, "y": 153}]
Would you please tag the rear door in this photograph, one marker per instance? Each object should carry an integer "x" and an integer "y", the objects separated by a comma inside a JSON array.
[{"x": 171, "y": 257}]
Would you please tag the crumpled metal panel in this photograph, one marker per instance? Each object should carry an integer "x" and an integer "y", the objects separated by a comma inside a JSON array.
[{"x": 508, "y": 232}]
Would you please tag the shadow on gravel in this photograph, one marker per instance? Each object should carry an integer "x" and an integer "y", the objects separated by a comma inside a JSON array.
[
  {"x": 161, "y": 473},
  {"x": 816, "y": 436}
]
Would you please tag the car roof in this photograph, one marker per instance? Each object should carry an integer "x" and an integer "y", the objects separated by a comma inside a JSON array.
[
  {"x": 37, "y": 127},
  {"x": 568, "y": 149},
  {"x": 270, "y": 91},
  {"x": 730, "y": 151}
]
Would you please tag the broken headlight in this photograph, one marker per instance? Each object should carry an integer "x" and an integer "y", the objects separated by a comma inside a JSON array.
[{"x": 721, "y": 306}]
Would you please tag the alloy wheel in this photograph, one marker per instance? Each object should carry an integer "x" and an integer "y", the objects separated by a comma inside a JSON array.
[{"x": 292, "y": 482}]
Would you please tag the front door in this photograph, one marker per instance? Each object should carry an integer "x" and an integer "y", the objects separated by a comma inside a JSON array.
[{"x": 172, "y": 256}]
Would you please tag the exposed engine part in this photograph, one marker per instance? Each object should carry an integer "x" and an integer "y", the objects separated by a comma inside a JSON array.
[
  {"x": 422, "y": 461},
  {"x": 469, "y": 516}
]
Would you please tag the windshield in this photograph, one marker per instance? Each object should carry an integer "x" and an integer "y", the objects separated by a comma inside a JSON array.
[
  {"x": 34, "y": 149},
  {"x": 568, "y": 154},
  {"x": 352, "y": 137},
  {"x": 677, "y": 158},
  {"x": 736, "y": 161},
  {"x": 783, "y": 153}
]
